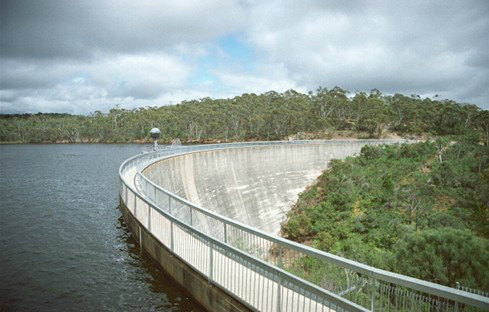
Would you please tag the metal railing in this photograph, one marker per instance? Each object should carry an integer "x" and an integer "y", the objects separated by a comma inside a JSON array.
[
  {"x": 471, "y": 290},
  {"x": 268, "y": 272}
]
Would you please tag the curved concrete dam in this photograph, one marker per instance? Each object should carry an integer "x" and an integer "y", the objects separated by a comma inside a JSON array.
[
  {"x": 254, "y": 185},
  {"x": 230, "y": 266}
]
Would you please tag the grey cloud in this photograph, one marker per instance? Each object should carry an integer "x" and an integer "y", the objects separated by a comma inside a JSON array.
[
  {"x": 129, "y": 49},
  {"x": 42, "y": 29},
  {"x": 479, "y": 59},
  {"x": 412, "y": 47},
  {"x": 80, "y": 56},
  {"x": 29, "y": 74},
  {"x": 140, "y": 90},
  {"x": 8, "y": 96},
  {"x": 76, "y": 29}
]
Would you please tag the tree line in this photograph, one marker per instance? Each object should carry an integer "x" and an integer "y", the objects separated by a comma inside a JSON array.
[{"x": 268, "y": 116}]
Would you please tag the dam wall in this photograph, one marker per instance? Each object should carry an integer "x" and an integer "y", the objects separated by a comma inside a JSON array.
[
  {"x": 227, "y": 265},
  {"x": 254, "y": 185}
]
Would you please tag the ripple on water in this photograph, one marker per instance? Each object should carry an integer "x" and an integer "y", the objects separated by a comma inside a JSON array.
[{"x": 64, "y": 245}]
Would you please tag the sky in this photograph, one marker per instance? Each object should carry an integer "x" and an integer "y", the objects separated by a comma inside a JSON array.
[{"x": 80, "y": 56}]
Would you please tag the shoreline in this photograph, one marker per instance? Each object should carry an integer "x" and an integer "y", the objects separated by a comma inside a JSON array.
[{"x": 300, "y": 136}]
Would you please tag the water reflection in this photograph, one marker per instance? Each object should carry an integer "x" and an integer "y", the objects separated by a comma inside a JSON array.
[{"x": 158, "y": 280}]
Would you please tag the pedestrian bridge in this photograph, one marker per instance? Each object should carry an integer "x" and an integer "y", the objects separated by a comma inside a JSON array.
[{"x": 211, "y": 214}]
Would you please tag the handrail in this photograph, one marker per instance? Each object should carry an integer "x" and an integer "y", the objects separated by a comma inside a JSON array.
[
  {"x": 282, "y": 276},
  {"x": 338, "y": 300},
  {"x": 371, "y": 272}
]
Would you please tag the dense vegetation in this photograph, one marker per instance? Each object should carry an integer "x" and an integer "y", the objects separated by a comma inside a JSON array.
[
  {"x": 420, "y": 210},
  {"x": 269, "y": 116}
]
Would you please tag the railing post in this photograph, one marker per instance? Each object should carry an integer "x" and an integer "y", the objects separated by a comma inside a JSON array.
[
  {"x": 211, "y": 262},
  {"x": 279, "y": 293},
  {"x": 169, "y": 205},
  {"x": 135, "y": 206},
  {"x": 372, "y": 306},
  {"x": 456, "y": 302},
  {"x": 171, "y": 235},
  {"x": 140, "y": 240},
  {"x": 191, "y": 216},
  {"x": 280, "y": 261},
  {"x": 149, "y": 218},
  {"x": 225, "y": 232}
]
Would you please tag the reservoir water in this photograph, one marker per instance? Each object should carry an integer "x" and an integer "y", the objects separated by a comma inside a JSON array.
[{"x": 64, "y": 246}]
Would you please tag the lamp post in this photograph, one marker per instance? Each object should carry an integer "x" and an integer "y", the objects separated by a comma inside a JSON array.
[{"x": 155, "y": 134}]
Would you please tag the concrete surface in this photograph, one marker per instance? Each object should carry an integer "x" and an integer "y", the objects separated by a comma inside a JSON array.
[{"x": 254, "y": 185}]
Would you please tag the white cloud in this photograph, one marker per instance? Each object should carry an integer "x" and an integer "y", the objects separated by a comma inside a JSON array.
[
  {"x": 407, "y": 47},
  {"x": 82, "y": 87},
  {"x": 93, "y": 55},
  {"x": 139, "y": 76},
  {"x": 268, "y": 78}
]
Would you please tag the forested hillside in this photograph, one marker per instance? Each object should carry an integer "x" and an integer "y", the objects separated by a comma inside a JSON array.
[
  {"x": 420, "y": 210},
  {"x": 269, "y": 116}
]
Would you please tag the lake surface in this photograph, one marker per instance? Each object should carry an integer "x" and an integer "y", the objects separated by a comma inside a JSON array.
[{"x": 64, "y": 246}]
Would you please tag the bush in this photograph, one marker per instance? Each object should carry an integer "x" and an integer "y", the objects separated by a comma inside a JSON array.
[{"x": 444, "y": 256}]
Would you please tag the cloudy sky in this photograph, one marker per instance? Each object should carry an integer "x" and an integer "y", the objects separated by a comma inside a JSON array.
[{"x": 81, "y": 56}]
